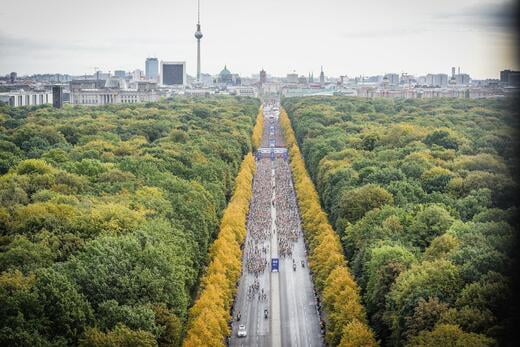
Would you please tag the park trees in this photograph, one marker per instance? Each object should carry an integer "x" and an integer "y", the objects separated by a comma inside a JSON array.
[
  {"x": 422, "y": 195},
  {"x": 107, "y": 214}
]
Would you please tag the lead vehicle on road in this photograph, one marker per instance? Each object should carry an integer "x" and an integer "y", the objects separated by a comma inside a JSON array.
[{"x": 241, "y": 331}]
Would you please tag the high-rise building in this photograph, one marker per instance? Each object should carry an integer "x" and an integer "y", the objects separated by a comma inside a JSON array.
[
  {"x": 393, "y": 78},
  {"x": 442, "y": 80},
  {"x": 453, "y": 79},
  {"x": 510, "y": 77},
  {"x": 374, "y": 79},
  {"x": 12, "y": 77},
  {"x": 206, "y": 79},
  {"x": 385, "y": 81},
  {"x": 292, "y": 78},
  {"x": 198, "y": 36},
  {"x": 120, "y": 73},
  {"x": 137, "y": 75},
  {"x": 407, "y": 79},
  {"x": 57, "y": 96},
  {"x": 173, "y": 73},
  {"x": 322, "y": 76},
  {"x": 100, "y": 75},
  {"x": 462, "y": 79},
  {"x": 236, "y": 79},
  {"x": 437, "y": 80},
  {"x": 263, "y": 76},
  {"x": 152, "y": 69}
]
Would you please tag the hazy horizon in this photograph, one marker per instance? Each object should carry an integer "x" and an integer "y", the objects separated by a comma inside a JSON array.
[{"x": 368, "y": 38}]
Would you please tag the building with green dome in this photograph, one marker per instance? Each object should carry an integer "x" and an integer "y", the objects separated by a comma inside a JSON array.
[{"x": 225, "y": 76}]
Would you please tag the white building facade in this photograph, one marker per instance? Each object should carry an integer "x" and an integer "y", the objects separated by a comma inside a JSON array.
[
  {"x": 26, "y": 98},
  {"x": 97, "y": 97}
]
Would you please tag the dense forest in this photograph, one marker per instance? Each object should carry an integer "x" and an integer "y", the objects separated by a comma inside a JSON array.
[
  {"x": 422, "y": 195},
  {"x": 106, "y": 215}
]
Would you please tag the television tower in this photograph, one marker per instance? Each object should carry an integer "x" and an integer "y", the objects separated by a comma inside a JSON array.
[{"x": 198, "y": 36}]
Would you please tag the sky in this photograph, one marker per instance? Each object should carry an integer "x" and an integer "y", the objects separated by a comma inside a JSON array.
[{"x": 346, "y": 37}]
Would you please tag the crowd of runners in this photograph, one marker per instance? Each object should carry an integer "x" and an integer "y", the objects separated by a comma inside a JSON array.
[
  {"x": 273, "y": 198},
  {"x": 287, "y": 223},
  {"x": 259, "y": 227},
  {"x": 287, "y": 219},
  {"x": 259, "y": 223}
]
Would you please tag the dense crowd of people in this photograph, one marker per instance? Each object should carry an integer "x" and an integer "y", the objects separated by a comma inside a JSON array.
[
  {"x": 269, "y": 121},
  {"x": 259, "y": 221},
  {"x": 272, "y": 188},
  {"x": 287, "y": 219},
  {"x": 259, "y": 225}
]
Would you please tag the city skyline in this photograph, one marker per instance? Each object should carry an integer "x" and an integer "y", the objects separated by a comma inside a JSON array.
[{"x": 412, "y": 38}]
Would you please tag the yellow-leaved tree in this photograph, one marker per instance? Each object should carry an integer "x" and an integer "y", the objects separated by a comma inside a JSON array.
[
  {"x": 210, "y": 314},
  {"x": 256, "y": 138},
  {"x": 345, "y": 316}
]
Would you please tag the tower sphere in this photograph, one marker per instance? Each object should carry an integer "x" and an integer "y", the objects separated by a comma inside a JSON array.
[{"x": 198, "y": 35}]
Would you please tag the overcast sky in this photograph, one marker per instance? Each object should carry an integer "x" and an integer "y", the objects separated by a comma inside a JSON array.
[{"x": 346, "y": 37}]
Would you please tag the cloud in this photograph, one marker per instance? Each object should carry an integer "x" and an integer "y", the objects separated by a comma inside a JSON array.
[
  {"x": 10, "y": 45},
  {"x": 382, "y": 33},
  {"x": 495, "y": 17}
]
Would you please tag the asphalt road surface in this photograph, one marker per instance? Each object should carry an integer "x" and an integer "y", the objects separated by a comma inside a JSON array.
[{"x": 274, "y": 231}]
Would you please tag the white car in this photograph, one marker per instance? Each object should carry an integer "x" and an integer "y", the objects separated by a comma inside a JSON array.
[{"x": 241, "y": 331}]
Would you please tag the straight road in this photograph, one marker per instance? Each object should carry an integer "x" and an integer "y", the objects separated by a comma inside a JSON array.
[
  {"x": 249, "y": 302},
  {"x": 276, "y": 333},
  {"x": 274, "y": 231}
]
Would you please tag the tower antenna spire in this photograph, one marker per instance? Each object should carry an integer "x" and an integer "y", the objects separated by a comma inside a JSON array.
[{"x": 198, "y": 36}]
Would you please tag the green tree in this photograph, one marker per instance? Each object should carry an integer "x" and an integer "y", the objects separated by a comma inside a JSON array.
[
  {"x": 120, "y": 336},
  {"x": 450, "y": 335},
  {"x": 440, "y": 279},
  {"x": 442, "y": 138},
  {"x": 385, "y": 264},
  {"x": 430, "y": 222},
  {"x": 356, "y": 202}
]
